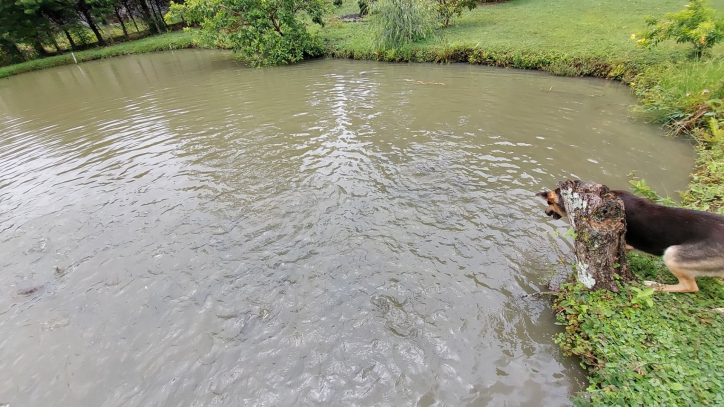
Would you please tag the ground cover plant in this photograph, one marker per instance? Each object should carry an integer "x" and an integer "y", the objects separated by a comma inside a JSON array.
[{"x": 644, "y": 348}]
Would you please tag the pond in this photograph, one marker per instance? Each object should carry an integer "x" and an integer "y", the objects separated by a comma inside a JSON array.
[{"x": 178, "y": 229}]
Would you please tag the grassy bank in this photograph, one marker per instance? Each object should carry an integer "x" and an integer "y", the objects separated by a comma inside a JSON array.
[
  {"x": 663, "y": 353},
  {"x": 566, "y": 37},
  {"x": 174, "y": 40}
]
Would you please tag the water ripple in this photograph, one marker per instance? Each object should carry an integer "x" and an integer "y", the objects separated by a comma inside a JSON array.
[{"x": 189, "y": 231}]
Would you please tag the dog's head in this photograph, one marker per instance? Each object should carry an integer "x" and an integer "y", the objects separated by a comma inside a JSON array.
[{"x": 555, "y": 207}]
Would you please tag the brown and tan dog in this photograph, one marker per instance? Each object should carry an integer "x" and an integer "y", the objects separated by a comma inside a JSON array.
[{"x": 692, "y": 242}]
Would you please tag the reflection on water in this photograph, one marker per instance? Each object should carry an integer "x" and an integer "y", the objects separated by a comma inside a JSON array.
[{"x": 179, "y": 230}]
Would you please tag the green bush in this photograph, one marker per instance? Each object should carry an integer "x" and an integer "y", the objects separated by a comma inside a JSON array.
[
  {"x": 447, "y": 9},
  {"x": 400, "y": 22},
  {"x": 698, "y": 24},
  {"x": 264, "y": 32},
  {"x": 364, "y": 7}
]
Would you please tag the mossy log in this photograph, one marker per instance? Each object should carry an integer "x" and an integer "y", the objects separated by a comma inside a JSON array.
[{"x": 599, "y": 224}]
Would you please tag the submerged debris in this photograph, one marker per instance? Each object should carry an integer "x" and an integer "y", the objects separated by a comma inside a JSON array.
[{"x": 23, "y": 292}]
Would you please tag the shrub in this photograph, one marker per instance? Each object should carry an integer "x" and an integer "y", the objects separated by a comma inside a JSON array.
[
  {"x": 447, "y": 9},
  {"x": 337, "y": 3},
  {"x": 697, "y": 24},
  {"x": 265, "y": 32},
  {"x": 402, "y": 21},
  {"x": 364, "y": 7}
]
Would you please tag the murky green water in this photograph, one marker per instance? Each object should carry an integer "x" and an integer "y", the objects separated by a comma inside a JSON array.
[{"x": 331, "y": 233}]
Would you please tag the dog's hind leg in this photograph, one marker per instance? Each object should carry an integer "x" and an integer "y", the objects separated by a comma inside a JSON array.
[{"x": 683, "y": 270}]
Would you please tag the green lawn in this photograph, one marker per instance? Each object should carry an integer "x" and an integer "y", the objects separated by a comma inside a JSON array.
[{"x": 577, "y": 28}]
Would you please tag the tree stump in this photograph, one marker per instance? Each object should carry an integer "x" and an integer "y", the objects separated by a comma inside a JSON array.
[{"x": 599, "y": 224}]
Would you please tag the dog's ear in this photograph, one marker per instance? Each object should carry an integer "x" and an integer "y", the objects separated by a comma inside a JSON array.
[{"x": 543, "y": 195}]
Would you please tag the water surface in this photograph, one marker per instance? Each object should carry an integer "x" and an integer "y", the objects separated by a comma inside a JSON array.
[{"x": 177, "y": 229}]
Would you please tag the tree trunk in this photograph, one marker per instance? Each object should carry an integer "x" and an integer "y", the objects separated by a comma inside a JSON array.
[
  {"x": 83, "y": 8},
  {"x": 134, "y": 22},
  {"x": 159, "y": 15},
  {"x": 149, "y": 17},
  {"x": 69, "y": 37},
  {"x": 12, "y": 50},
  {"x": 599, "y": 224},
  {"x": 38, "y": 45},
  {"x": 130, "y": 14},
  {"x": 120, "y": 20},
  {"x": 54, "y": 42}
]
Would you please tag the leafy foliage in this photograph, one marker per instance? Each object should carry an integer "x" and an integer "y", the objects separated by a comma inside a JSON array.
[
  {"x": 68, "y": 24},
  {"x": 268, "y": 32},
  {"x": 447, "y": 9},
  {"x": 645, "y": 348},
  {"x": 364, "y": 6},
  {"x": 400, "y": 22},
  {"x": 640, "y": 187},
  {"x": 697, "y": 24}
]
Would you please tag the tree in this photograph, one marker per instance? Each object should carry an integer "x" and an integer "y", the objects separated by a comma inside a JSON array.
[
  {"x": 116, "y": 10},
  {"x": 129, "y": 11},
  {"x": 447, "y": 9},
  {"x": 10, "y": 51},
  {"x": 151, "y": 21},
  {"x": 599, "y": 225},
  {"x": 159, "y": 15},
  {"x": 85, "y": 10},
  {"x": 22, "y": 22},
  {"x": 268, "y": 32},
  {"x": 697, "y": 24}
]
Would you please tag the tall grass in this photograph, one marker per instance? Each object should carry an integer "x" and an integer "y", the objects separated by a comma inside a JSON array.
[
  {"x": 399, "y": 22},
  {"x": 676, "y": 91}
]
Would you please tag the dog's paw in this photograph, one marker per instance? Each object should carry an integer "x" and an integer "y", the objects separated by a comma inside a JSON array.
[
  {"x": 653, "y": 284},
  {"x": 718, "y": 309}
]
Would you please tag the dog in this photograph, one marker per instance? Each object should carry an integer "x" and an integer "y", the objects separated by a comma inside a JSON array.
[{"x": 691, "y": 242}]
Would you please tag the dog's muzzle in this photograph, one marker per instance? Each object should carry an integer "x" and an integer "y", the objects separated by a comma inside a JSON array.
[{"x": 553, "y": 214}]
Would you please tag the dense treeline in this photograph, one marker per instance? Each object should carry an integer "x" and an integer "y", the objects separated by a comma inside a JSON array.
[{"x": 38, "y": 28}]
